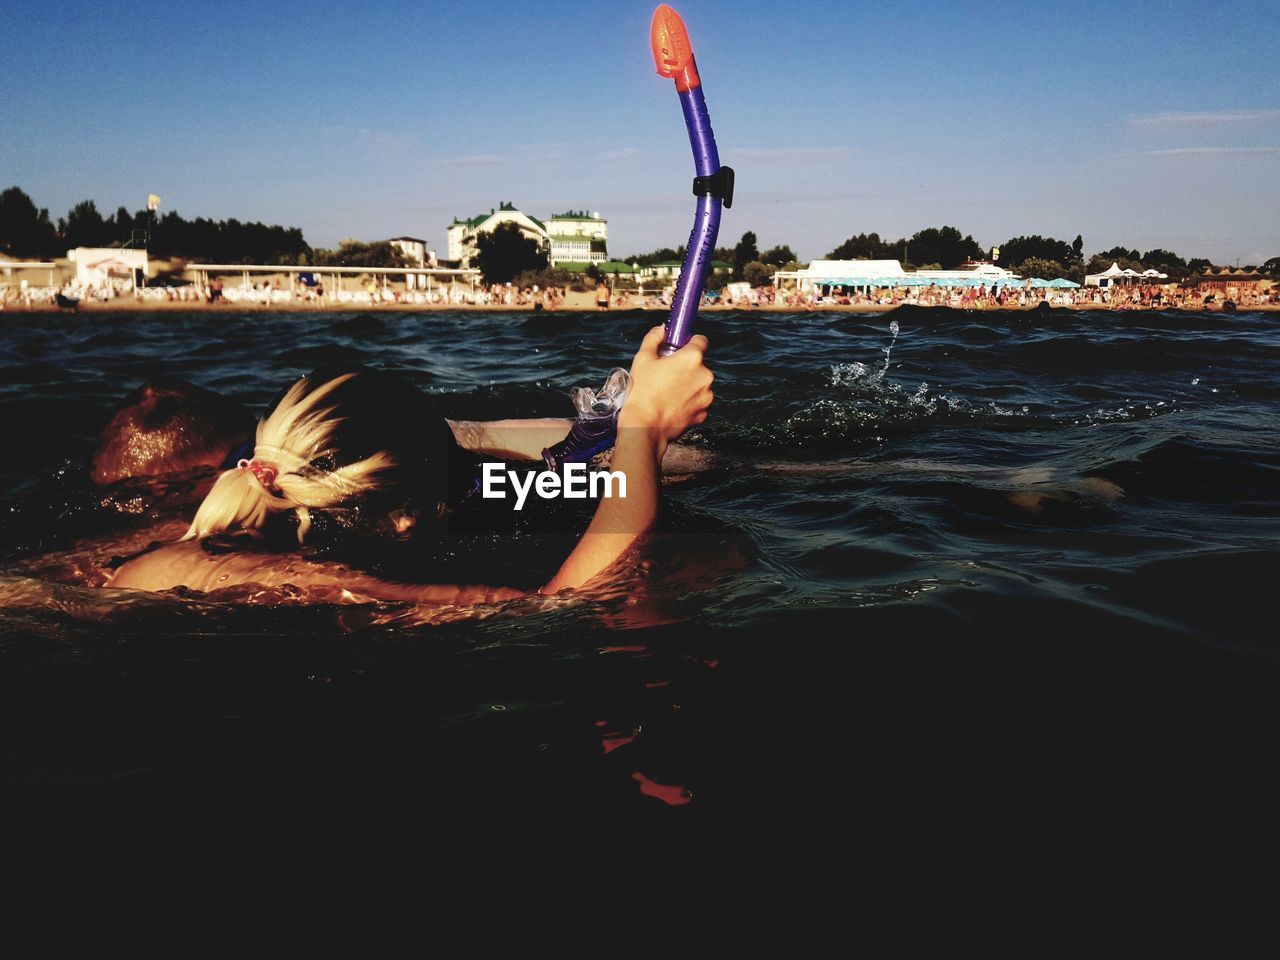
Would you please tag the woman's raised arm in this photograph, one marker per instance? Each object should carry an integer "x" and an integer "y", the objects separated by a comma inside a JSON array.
[{"x": 668, "y": 396}]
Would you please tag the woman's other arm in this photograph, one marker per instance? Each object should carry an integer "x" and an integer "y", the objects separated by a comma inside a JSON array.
[{"x": 510, "y": 439}]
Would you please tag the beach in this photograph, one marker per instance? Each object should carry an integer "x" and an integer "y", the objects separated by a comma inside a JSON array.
[{"x": 573, "y": 302}]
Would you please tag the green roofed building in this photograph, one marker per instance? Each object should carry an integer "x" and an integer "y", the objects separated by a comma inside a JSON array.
[
  {"x": 578, "y": 237},
  {"x": 574, "y": 236},
  {"x": 462, "y": 233}
]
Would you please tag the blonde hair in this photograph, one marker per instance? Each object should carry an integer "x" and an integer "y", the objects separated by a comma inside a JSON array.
[{"x": 296, "y": 433}]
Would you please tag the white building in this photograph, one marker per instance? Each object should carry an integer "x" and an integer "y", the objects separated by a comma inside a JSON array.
[
  {"x": 574, "y": 236},
  {"x": 578, "y": 237},
  {"x": 414, "y": 249},
  {"x": 102, "y": 267},
  {"x": 462, "y": 233}
]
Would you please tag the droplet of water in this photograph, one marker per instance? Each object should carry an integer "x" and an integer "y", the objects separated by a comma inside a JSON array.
[
  {"x": 893, "y": 327},
  {"x": 1194, "y": 381}
]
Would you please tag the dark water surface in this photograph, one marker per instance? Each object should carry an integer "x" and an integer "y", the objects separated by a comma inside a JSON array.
[{"x": 1023, "y": 564}]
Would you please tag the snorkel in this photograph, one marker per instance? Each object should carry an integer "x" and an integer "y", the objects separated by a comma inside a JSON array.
[
  {"x": 595, "y": 428},
  {"x": 712, "y": 185}
]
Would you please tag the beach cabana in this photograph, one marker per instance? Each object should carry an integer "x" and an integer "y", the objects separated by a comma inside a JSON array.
[{"x": 1106, "y": 278}]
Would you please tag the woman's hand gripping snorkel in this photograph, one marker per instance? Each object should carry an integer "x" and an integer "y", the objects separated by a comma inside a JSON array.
[
  {"x": 668, "y": 396},
  {"x": 593, "y": 430}
]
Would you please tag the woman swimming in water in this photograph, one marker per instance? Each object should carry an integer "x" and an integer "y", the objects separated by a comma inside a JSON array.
[{"x": 323, "y": 450}]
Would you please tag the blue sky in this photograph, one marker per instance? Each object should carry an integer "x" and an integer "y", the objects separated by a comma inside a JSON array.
[{"x": 1148, "y": 124}]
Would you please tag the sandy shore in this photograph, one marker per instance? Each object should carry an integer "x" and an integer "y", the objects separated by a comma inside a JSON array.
[{"x": 574, "y": 302}]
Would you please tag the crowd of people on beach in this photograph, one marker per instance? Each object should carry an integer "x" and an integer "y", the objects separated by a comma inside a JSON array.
[
  {"x": 984, "y": 297},
  {"x": 735, "y": 296}
]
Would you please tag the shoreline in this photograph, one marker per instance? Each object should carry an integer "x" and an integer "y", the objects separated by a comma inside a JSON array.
[{"x": 132, "y": 305}]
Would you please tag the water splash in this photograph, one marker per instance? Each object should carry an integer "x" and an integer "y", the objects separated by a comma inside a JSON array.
[{"x": 893, "y": 331}]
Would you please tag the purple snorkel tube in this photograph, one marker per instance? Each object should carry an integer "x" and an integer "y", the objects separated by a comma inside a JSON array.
[
  {"x": 713, "y": 184},
  {"x": 596, "y": 427}
]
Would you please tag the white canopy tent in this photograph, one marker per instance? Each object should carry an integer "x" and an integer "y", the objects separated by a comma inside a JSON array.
[
  {"x": 1113, "y": 275},
  {"x": 889, "y": 273}
]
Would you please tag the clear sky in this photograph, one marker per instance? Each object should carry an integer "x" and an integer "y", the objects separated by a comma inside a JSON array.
[{"x": 1142, "y": 123}]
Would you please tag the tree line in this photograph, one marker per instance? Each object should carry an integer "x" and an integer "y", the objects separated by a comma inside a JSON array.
[
  {"x": 944, "y": 248},
  {"x": 27, "y": 231},
  {"x": 746, "y": 259}
]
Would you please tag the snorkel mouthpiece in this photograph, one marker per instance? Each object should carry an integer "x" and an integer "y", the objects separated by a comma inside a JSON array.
[
  {"x": 593, "y": 405},
  {"x": 672, "y": 49},
  {"x": 597, "y": 424}
]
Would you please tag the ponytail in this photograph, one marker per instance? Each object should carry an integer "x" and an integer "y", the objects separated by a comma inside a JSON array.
[
  {"x": 281, "y": 475},
  {"x": 237, "y": 499}
]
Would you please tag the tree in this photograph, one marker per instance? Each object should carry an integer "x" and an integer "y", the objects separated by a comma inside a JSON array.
[
  {"x": 504, "y": 252},
  {"x": 1077, "y": 249},
  {"x": 942, "y": 245},
  {"x": 353, "y": 253},
  {"x": 24, "y": 230},
  {"x": 1101, "y": 262},
  {"x": 1166, "y": 261},
  {"x": 1036, "y": 247},
  {"x": 1117, "y": 254},
  {"x": 85, "y": 226},
  {"x": 665, "y": 254},
  {"x": 757, "y": 274},
  {"x": 778, "y": 256},
  {"x": 864, "y": 246},
  {"x": 745, "y": 252},
  {"x": 1038, "y": 267}
]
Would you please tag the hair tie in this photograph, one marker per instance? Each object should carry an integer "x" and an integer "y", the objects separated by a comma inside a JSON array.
[{"x": 265, "y": 473}]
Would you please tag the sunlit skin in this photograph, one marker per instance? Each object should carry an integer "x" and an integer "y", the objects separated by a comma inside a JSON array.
[{"x": 168, "y": 427}]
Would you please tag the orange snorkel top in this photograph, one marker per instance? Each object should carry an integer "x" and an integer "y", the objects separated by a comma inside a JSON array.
[{"x": 672, "y": 51}]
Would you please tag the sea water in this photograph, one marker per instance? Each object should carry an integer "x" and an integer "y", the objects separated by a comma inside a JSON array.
[{"x": 935, "y": 554}]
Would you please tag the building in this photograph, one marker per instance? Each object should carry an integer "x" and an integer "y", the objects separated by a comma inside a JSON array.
[
  {"x": 414, "y": 249},
  {"x": 462, "y": 233},
  {"x": 671, "y": 268},
  {"x": 578, "y": 237},
  {"x": 1229, "y": 282},
  {"x": 574, "y": 236},
  {"x": 100, "y": 267},
  {"x": 663, "y": 268}
]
